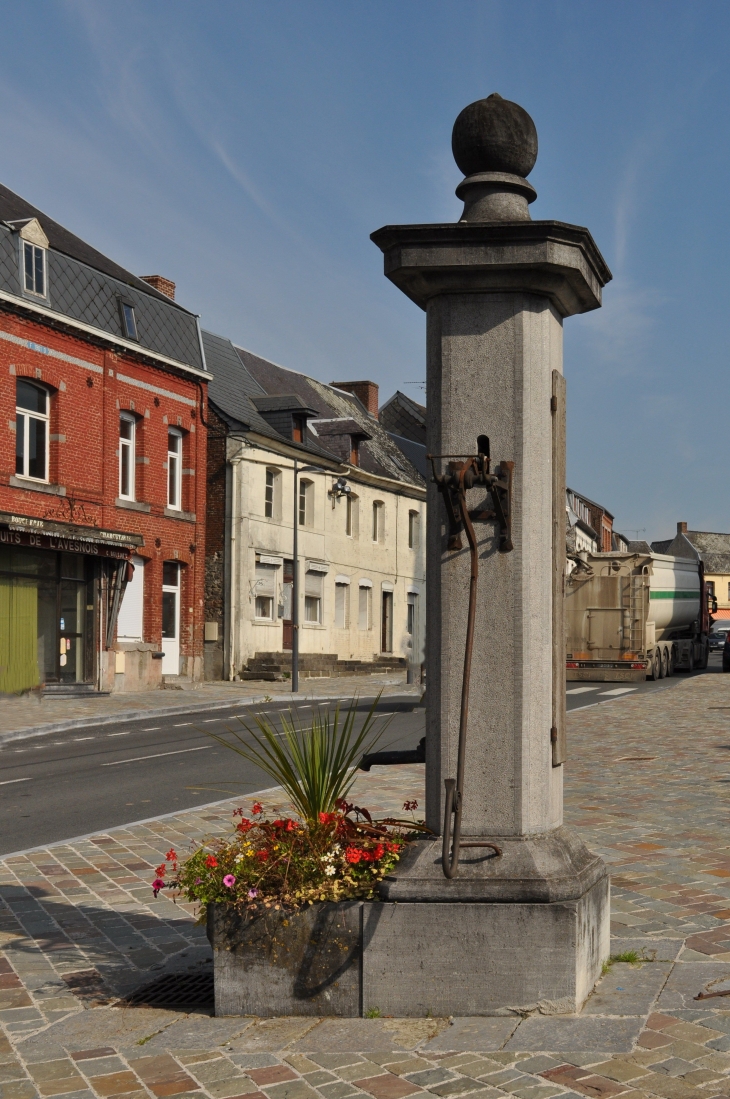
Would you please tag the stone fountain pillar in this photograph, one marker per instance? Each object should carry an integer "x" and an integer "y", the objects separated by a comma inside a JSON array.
[{"x": 528, "y": 928}]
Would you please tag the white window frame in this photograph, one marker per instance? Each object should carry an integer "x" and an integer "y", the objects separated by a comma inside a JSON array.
[
  {"x": 309, "y": 596},
  {"x": 378, "y": 531},
  {"x": 34, "y": 249},
  {"x": 129, "y": 320},
  {"x": 366, "y": 588},
  {"x": 306, "y": 496},
  {"x": 267, "y": 579},
  {"x": 342, "y": 603},
  {"x": 414, "y": 529},
  {"x": 174, "y": 470},
  {"x": 24, "y": 416},
  {"x": 130, "y": 447},
  {"x": 352, "y": 516},
  {"x": 272, "y": 507}
]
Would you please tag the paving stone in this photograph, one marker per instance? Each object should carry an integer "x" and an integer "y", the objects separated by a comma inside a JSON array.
[
  {"x": 570, "y": 1033},
  {"x": 429, "y": 1077},
  {"x": 338, "y": 1091},
  {"x": 292, "y": 1089},
  {"x": 474, "y": 1033},
  {"x": 387, "y": 1087}
]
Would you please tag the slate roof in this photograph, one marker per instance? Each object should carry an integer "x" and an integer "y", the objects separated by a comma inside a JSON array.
[
  {"x": 404, "y": 417},
  {"x": 86, "y": 286},
  {"x": 415, "y": 453},
  {"x": 712, "y": 549},
  {"x": 233, "y": 387}
]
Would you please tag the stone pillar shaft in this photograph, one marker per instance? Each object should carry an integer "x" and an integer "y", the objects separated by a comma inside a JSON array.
[{"x": 490, "y": 363}]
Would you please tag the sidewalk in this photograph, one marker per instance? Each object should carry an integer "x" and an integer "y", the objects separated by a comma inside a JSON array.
[
  {"x": 31, "y": 715},
  {"x": 646, "y": 785}
]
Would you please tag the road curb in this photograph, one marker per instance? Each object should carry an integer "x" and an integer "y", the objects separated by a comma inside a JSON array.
[{"x": 168, "y": 711}]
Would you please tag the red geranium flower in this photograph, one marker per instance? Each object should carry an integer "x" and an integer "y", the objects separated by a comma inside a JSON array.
[
  {"x": 409, "y": 805},
  {"x": 211, "y": 861},
  {"x": 171, "y": 855},
  {"x": 290, "y": 825},
  {"x": 161, "y": 869},
  {"x": 257, "y": 808},
  {"x": 263, "y": 855},
  {"x": 353, "y": 854},
  {"x": 244, "y": 825}
]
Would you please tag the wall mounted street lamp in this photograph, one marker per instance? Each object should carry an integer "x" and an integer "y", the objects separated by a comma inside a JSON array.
[{"x": 339, "y": 489}]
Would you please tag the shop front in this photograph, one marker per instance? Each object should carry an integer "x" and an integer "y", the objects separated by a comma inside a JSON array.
[{"x": 60, "y": 590}]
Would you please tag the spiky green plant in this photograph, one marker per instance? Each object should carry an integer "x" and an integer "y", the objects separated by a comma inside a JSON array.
[{"x": 314, "y": 763}]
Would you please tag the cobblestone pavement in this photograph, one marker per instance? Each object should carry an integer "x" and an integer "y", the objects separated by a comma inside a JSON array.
[
  {"x": 33, "y": 713},
  {"x": 647, "y": 785}
]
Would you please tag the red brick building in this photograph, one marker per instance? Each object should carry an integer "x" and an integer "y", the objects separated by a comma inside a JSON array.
[{"x": 102, "y": 467}]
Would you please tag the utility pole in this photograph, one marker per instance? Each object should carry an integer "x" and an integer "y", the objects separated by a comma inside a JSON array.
[{"x": 295, "y": 588}]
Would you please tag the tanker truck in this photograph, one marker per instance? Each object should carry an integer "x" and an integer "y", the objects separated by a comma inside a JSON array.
[{"x": 630, "y": 616}]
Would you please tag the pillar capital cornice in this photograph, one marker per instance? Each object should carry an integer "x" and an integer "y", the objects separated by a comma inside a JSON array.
[{"x": 549, "y": 258}]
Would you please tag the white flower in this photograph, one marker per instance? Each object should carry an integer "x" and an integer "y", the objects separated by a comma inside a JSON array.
[{"x": 329, "y": 871}]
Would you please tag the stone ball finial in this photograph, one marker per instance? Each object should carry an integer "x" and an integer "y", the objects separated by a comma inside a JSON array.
[
  {"x": 494, "y": 135},
  {"x": 495, "y": 144}
]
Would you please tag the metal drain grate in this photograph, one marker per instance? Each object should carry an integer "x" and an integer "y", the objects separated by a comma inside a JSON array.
[{"x": 175, "y": 990}]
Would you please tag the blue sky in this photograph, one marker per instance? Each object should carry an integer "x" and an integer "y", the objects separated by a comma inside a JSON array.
[{"x": 248, "y": 149}]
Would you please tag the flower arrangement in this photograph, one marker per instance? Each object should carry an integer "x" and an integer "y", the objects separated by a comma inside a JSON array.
[
  {"x": 332, "y": 850},
  {"x": 286, "y": 863}
]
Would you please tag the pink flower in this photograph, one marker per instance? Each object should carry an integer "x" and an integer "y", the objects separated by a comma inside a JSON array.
[
  {"x": 253, "y": 894},
  {"x": 229, "y": 881},
  {"x": 157, "y": 885}
]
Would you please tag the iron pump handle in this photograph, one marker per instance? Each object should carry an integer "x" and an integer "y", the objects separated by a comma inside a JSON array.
[{"x": 469, "y": 472}]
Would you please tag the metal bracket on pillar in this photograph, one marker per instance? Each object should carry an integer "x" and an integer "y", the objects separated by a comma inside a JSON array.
[{"x": 470, "y": 472}]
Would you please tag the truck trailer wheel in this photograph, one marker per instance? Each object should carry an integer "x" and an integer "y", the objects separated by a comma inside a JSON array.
[
  {"x": 656, "y": 665},
  {"x": 671, "y": 660},
  {"x": 665, "y": 663}
]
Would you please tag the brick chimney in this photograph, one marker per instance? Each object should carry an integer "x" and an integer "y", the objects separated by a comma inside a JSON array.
[
  {"x": 159, "y": 282},
  {"x": 367, "y": 392},
  {"x": 681, "y": 528}
]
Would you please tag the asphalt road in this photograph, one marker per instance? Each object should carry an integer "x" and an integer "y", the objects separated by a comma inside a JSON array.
[{"x": 61, "y": 785}]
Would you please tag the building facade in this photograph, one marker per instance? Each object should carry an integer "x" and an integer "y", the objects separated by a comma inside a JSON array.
[
  {"x": 360, "y": 517},
  {"x": 103, "y": 391},
  {"x": 713, "y": 550}
]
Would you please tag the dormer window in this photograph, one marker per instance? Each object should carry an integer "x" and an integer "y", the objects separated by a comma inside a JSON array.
[
  {"x": 34, "y": 269},
  {"x": 129, "y": 321},
  {"x": 32, "y": 246}
]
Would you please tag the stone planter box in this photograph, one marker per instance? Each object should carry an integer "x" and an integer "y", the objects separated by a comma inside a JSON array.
[
  {"x": 411, "y": 958},
  {"x": 303, "y": 963}
]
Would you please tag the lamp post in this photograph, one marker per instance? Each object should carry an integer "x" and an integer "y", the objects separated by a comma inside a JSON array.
[{"x": 295, "y": 588}]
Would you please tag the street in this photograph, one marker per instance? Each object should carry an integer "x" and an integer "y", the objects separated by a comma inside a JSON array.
[{"x": 62, "y": 785}]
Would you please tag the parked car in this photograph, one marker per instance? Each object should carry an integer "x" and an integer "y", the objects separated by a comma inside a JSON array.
[
  {"x": 718, "y": 635},
  {"x": 726, "y": 654}
]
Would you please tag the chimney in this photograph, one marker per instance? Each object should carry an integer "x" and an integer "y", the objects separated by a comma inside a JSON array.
[
  {"x": 681, "y": 528},
  {"x": 367, "y": 392},
  {"x": 159, "y": 282}
]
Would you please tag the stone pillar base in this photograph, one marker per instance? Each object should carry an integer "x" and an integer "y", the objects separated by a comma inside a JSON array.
[{"x": 528, "y": 931}]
